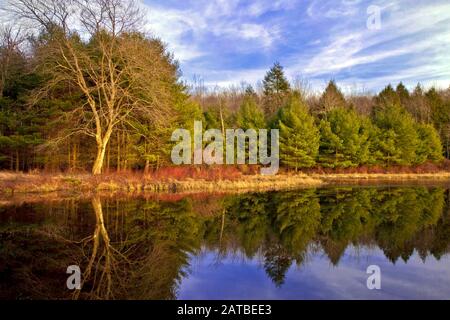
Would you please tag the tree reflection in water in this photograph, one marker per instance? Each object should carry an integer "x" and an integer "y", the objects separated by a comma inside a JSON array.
[{"x": 140, "y": 248}]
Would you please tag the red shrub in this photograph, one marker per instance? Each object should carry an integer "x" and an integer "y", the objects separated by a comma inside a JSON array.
[{"x": 197, "y": 172}]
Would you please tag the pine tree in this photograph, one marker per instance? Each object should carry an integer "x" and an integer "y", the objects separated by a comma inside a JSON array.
[
  {"x": 430, "y": 146},
  {"x": 344, "y": 139},
  {"x": 387, "y": 98},
  {"x": 440, "y": 114},
  {"x": 250, "y": 116},
  {"x": 276, "y": 89},
  {"x": 403, "y": 94},
  {"x": 331, "y": 98},
  {"x": 299, "y": 136},
  {"x": 398, "y": 138}
]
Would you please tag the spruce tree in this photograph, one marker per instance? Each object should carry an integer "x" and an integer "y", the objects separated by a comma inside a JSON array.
[{"x": 276, "y": 89}]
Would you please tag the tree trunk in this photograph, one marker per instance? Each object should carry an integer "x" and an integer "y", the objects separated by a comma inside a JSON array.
[
  {"x": 69, "y": 160},
  {"x": 98, "y": 164},
  {"x": 108, "y": 158},
  {"x": 118, "y": 152},
  {"x": 17, "y": 161},
  {"x": 147, "y": 166},
  {"x": 75, "y": 157},
  {"x": 101, "y": 151}
]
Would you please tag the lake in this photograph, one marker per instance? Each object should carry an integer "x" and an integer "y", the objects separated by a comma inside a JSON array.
[{"x": 299, "y": 244}]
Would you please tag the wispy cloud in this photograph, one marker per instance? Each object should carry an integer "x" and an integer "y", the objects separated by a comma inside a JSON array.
[{"x": 230, "y": 41}]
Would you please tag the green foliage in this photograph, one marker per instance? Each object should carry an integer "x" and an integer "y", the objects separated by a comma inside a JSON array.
[
  {"x": 440, "y": 110},
  {"x": 297, "y": 218},
  {"x": 387, "y": 97},
  {"x": 332, "y": 98},
  {"x": 160, "y": 236},
  {"x": 344, "y": 139},
  {"x": 403, "y": 128},
  {"x": 429, "y": 146},
  {"x": 275, "y": 81},
  {"x": 299, "y": 136},
  {"x": 403, "y": 94},
  {"x": 276, "y": 89},
  {"x": 250, "y": 116},
  {"x": 153, "y": 140},
  {"x": 397, "y": 140}
]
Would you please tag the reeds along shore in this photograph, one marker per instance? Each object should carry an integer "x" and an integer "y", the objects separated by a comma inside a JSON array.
[{"x": 185, "y": 179}]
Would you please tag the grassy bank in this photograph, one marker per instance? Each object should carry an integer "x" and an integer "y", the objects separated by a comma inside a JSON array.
[
  {"x": 381, "y": 177},
  {"x": 12, "y": 183}
]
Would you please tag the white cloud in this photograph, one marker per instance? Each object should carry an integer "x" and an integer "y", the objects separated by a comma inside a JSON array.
[
  {"x": 218, "y": 18},
  {"x": 362, "y": 46},
  {"x": 332, "y": 9},
  {"x": 407, "y": 30}
]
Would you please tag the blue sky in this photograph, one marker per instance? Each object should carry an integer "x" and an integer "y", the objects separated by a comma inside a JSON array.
[{"x": 226, "y": 42}]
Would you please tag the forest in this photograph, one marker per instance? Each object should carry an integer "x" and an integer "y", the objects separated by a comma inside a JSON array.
[{"x": 89, "y": 90}]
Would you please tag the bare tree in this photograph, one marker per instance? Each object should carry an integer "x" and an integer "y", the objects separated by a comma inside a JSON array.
[
  {"x": 120, "y": 72},
  {"x": 303, "y": 86},
  {"x": 10, "y": 41}
]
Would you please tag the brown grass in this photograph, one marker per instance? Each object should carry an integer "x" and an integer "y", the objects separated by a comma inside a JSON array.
[
  {"x": 214, "y": 179},
  {"x": 12, "y": 183}
]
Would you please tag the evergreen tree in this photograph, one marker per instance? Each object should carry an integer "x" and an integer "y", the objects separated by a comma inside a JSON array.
[
  {"x": 403, "y": 94},
  {"x": 276, "y": 89},
  {"x": 398, "y": 139},
  {"x": 387, "y": 97},
  {"x": 299, "y": 136},
  {"x": 344, "y": 139},
  {"x": 331, "y": 98},
  {"x": 430, "y": 146},
  {"x": 440, "y": 114},
  {"x": 250, "y": 116}
]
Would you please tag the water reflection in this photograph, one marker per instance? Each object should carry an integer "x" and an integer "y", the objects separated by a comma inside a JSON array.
[{"x": 157, "y": 247}]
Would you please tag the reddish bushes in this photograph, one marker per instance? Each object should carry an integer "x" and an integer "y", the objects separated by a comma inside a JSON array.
[
  {"x": 225, "y": 172},
  {"x": 198, "y": 173}
]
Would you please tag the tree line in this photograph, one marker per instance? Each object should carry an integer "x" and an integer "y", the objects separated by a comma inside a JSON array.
[{"x": 89, "y": 89}]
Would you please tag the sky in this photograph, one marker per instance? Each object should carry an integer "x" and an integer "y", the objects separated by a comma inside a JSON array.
[{"x": 228, "y": 42}]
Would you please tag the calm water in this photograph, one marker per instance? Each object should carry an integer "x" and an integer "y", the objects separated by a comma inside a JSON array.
[{"x": 305, "y": 244}]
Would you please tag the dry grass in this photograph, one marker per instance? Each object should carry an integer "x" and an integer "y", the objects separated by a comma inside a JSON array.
[
  {"x": 255, "y": 182},
  {"x": 11, "y": 183},
  {"x": 212, "y": 181},
  {"x": 439, "y": 176}
]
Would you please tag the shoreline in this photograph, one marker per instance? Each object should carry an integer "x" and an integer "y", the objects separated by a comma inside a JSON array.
[{"x": 17, "y": 183}]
